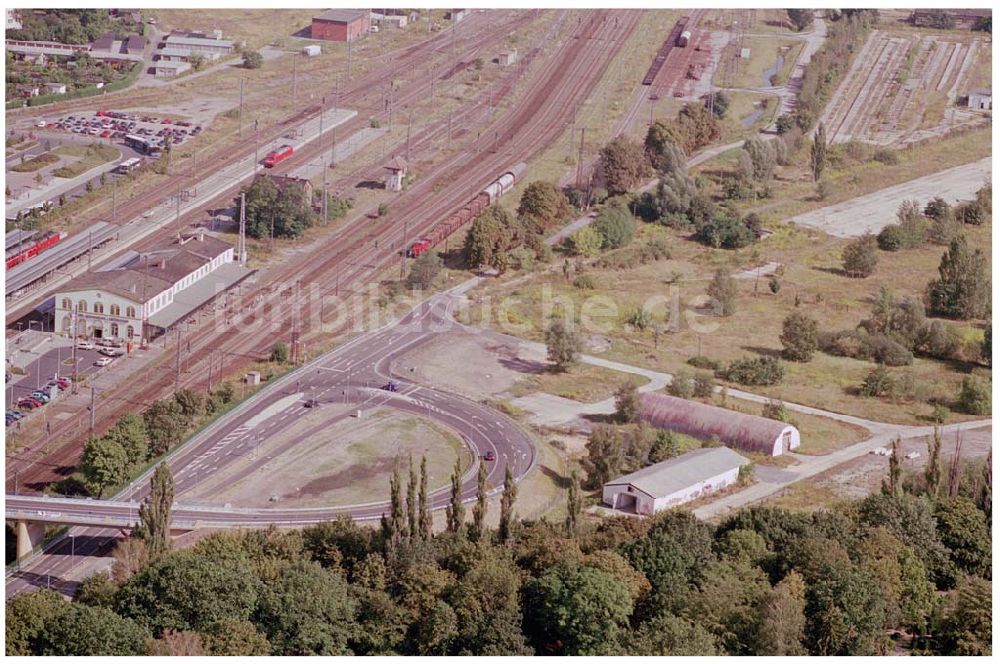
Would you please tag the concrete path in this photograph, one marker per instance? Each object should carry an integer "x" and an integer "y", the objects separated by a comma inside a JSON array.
[{"x": 872, "y": 212}]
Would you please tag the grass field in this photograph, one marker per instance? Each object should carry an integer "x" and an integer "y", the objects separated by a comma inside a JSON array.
[
  {"x": 819, "y": 435},
  {"x": 90, "y": 156},
  {"x": 583, "y": 382},
  {"x": 764, "y": 52},
  {"x": 36, "y": 163}
]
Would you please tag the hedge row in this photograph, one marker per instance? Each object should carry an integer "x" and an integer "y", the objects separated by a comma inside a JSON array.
[{"x": 89, "y": 91}]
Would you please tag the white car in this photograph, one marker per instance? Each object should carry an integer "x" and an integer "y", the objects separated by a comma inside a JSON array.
[
  {"x": 103, "y": 361},
  {"x": 111, "y": 352},
  {"x": 85, "y": 345}
]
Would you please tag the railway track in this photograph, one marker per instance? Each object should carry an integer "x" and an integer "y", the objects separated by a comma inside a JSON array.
[{"x": 351, "y": 259}]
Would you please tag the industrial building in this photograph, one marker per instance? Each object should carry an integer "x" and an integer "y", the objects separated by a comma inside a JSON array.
[
  {"x": 751, "y": 433},
  {"x": 211, "y": 46},
  {"x": 981, "y": 100},
  {"x": 140, "y": 296},
  {"x": 341, "y": 24},
  {"x": 675, "y": 481}
]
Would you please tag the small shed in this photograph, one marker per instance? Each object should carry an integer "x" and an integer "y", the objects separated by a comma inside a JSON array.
[
  {"x": 675, "y": 481},
  {"x": 981, "y": 100},
  {"x": 311, "y": 51},
  {"x": 751, "y": 433},
  {"x": 55, "y": 88},
  {"x": 508, "y": 57},
  {"x": 396, "y": 172}
]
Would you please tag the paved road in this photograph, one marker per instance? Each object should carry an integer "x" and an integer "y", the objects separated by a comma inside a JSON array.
[
  {"x": 874, "y": 211},
  {"x": 353, "y": 373}
]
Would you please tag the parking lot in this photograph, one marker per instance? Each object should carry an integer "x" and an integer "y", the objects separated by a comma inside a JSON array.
[
  {"x": 49, "y": 366},
  {"x": 116, "y": 125}
]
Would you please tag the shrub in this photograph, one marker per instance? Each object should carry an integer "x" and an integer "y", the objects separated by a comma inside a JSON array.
[
  {"x": 940, "y": 414},
  {"x": 799, "y": 336},
  {"x": 682, "y": 385},
  {"x": 775, "y": 409},
  {"x": 639, "y": 318},
  {"x": 703, "y": 362},
  {"x": 724, "y": 290},
  {"x": 616, "y": 226},
  {"x": 424, "y": 270},
  {"x": 704, "y": 384},
  {"x": 585, "y": 242},
  {"x": 878, "y": 382},
  {"x": 760, "y": 370},
  {"x": 975, "y": 397},
  {"x": 891, "y": 238},
  {"x": 279, "y": 352},
  {"x": 725, "y": 232},
  {"x": 585, "y": 282},
  {"x": 864, "y": 345},
  {"x": 861, "y": 256},
  {"x": 971, "y": 213},
  {"x": 886, "y": 156}
]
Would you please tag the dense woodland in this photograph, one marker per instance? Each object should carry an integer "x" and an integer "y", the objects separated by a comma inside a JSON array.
[{"x": 906, "y": 569}]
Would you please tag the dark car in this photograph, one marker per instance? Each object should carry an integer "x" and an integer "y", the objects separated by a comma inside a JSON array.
[
  {"x": 311, "y": 403},
  {"x": 490, "y": 456},
  {"x": 391, "y": 386}
]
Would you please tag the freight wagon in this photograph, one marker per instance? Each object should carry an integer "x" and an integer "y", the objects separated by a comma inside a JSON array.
[
  {"x": 472, "y": 209},
  {"x": 683, "y": 40},
  {"x": 277, "y": 156},
  {"x": 19, "y": 254},
  {"x": 672, "y": 40}
]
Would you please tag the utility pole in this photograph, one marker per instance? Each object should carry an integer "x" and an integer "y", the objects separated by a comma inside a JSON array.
[
  {"x": 256, "y": 147},
  {"x": 177, "y": 216},
  {"x": 177, "y": 374},
  {"x": 295, "y": 81},
  {"x": 114, "y": 200},
  {"x": 93, "y": 409},
  {"x": 579, "y": 162},
  {"x": 333, "y": 147},
  {"x": 409, "y": 122},
  {"x": 402, "y": 253},
  {"x": 326, "y": 218},
  {"x": 73, "y": 321},
  {"x": 90, "y": 249},
  {"x": 243, "y": 228},
  {"x": 242, "y": 81},
  {"x": 349, "y": 57}
]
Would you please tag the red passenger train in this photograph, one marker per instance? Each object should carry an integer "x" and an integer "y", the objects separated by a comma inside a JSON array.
[{"x": 19, "y": 254}]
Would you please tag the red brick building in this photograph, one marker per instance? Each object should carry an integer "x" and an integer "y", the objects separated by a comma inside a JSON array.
[{"x": 341, "y": 24}]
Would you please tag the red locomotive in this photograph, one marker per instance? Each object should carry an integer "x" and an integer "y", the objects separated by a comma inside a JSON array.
[
  {"x": 276, "y": 157},
  {"x": 18, "y": 255}
]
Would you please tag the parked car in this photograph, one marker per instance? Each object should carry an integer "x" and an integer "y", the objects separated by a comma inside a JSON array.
[
  {"x": 85, "y": 345},
  {"x": 490, "y": 456},
  {"x": 16, "y": 414},
  {"x": 28, "y": 403},
  {"x": 391, "y": 386},
  {"x": 103, "y": 361},
  {"x": 111, "y": 351},
  {"x": 41, "y": 396},
  {"x": 311, "y": 403}
]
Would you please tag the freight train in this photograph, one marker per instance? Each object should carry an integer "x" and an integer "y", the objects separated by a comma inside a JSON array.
[
  {"x": 472, "y": 209},
  {"x": 22, "y": 252},
  {"x": 678, "y": 37},
  {"x": 277, "y": 156}
]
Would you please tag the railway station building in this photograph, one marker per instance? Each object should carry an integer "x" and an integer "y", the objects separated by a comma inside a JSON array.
[
  {"x": 751, "y": 433},
  {"x": 675, "y": 481},
  {"x": 341, "y": 24},
  {"x": 140, "y": 296}
]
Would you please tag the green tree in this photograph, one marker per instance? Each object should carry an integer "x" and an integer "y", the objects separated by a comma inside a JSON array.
[
  {"x": 893, "y": 484},
  {"x": 96, "y": 590},
  {"x": 197, "y": 61},
  {"x": 412, "y": 508},
  {"x": 164, "y": 426},
  {"x": 235, "y": 638},
  {"x": 665, "y": 446},
  {"x": 488, "y": 609},
  {"x": 308, "y": 610},
  {"x": 762, "y": 159},
  {"x": 968, "y": 628},
  {"x": 623, "y": 165},
  {"x": 104, "y": 464},
  {"x": 27, "y": 614},
  {"x": 455, "y": 510},
  {"x": 130, "y": 432},
  {"x": 272, "y": 211},
  {"x": 667, "y": 635},
  {"x": 492, "y": 234},
  {"x": 604, "y": 455},
  {"x": 986, "y": 349},
  {"x": 89, "y": 631},
  {"x": 424, "y": 270},
  {"x": 663, "y": 153},
  {"x": 573, "y": 503},
  {"x": 507, "y": 517},
  {"x": 544, "y": 204},
  {"x": 845, "y": 612},
  {"x": 976, "y": 395},
  {"x": 425, "y": 522},
  {"x": 279, "y": 352},
  {"x": 576, "y": 610},
  {"x": 964, "y": 531},
  {"x": 860, "y": 257},
  {"x": 192, "y": 405},
  {"x": 911, "y": 519},
  {"x": 563, "y": 343},
  {"x": 478, "y": 530},
  {"x": 585, "y": 242},
  {"x": 799, "y": 336},
  {"x": 616, "y": 226},
  {"x": 963, "y": 287},
  {"x": 627, "y": 402},
  {"x": 800, "y": 18},
  {"x": 252, "y": 59},
  {"x": 817, "y": 153},
  {"x": 724, "y": 290},
  {"x": 781, "y": 627},
  {"x": 154, "y": 513}
]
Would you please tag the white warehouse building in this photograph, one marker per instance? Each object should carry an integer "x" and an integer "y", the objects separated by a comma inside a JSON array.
[{"x": 675, "y": 481}]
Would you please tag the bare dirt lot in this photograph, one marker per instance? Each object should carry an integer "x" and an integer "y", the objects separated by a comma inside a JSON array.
[
  {"x": 349, "y": 462},
  {"x": 862, "y": 476}
]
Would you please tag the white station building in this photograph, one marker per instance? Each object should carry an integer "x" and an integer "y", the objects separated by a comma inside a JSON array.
[{"x": 140, "y": 296}]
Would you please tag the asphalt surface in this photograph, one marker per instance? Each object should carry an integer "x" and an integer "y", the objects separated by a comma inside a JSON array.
[{"x": 353, "y": 373}]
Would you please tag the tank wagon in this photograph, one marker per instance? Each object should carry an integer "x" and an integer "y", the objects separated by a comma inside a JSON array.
[
  {"x": 683, "y": 40},
  {"x": 488, "y": 196}
]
